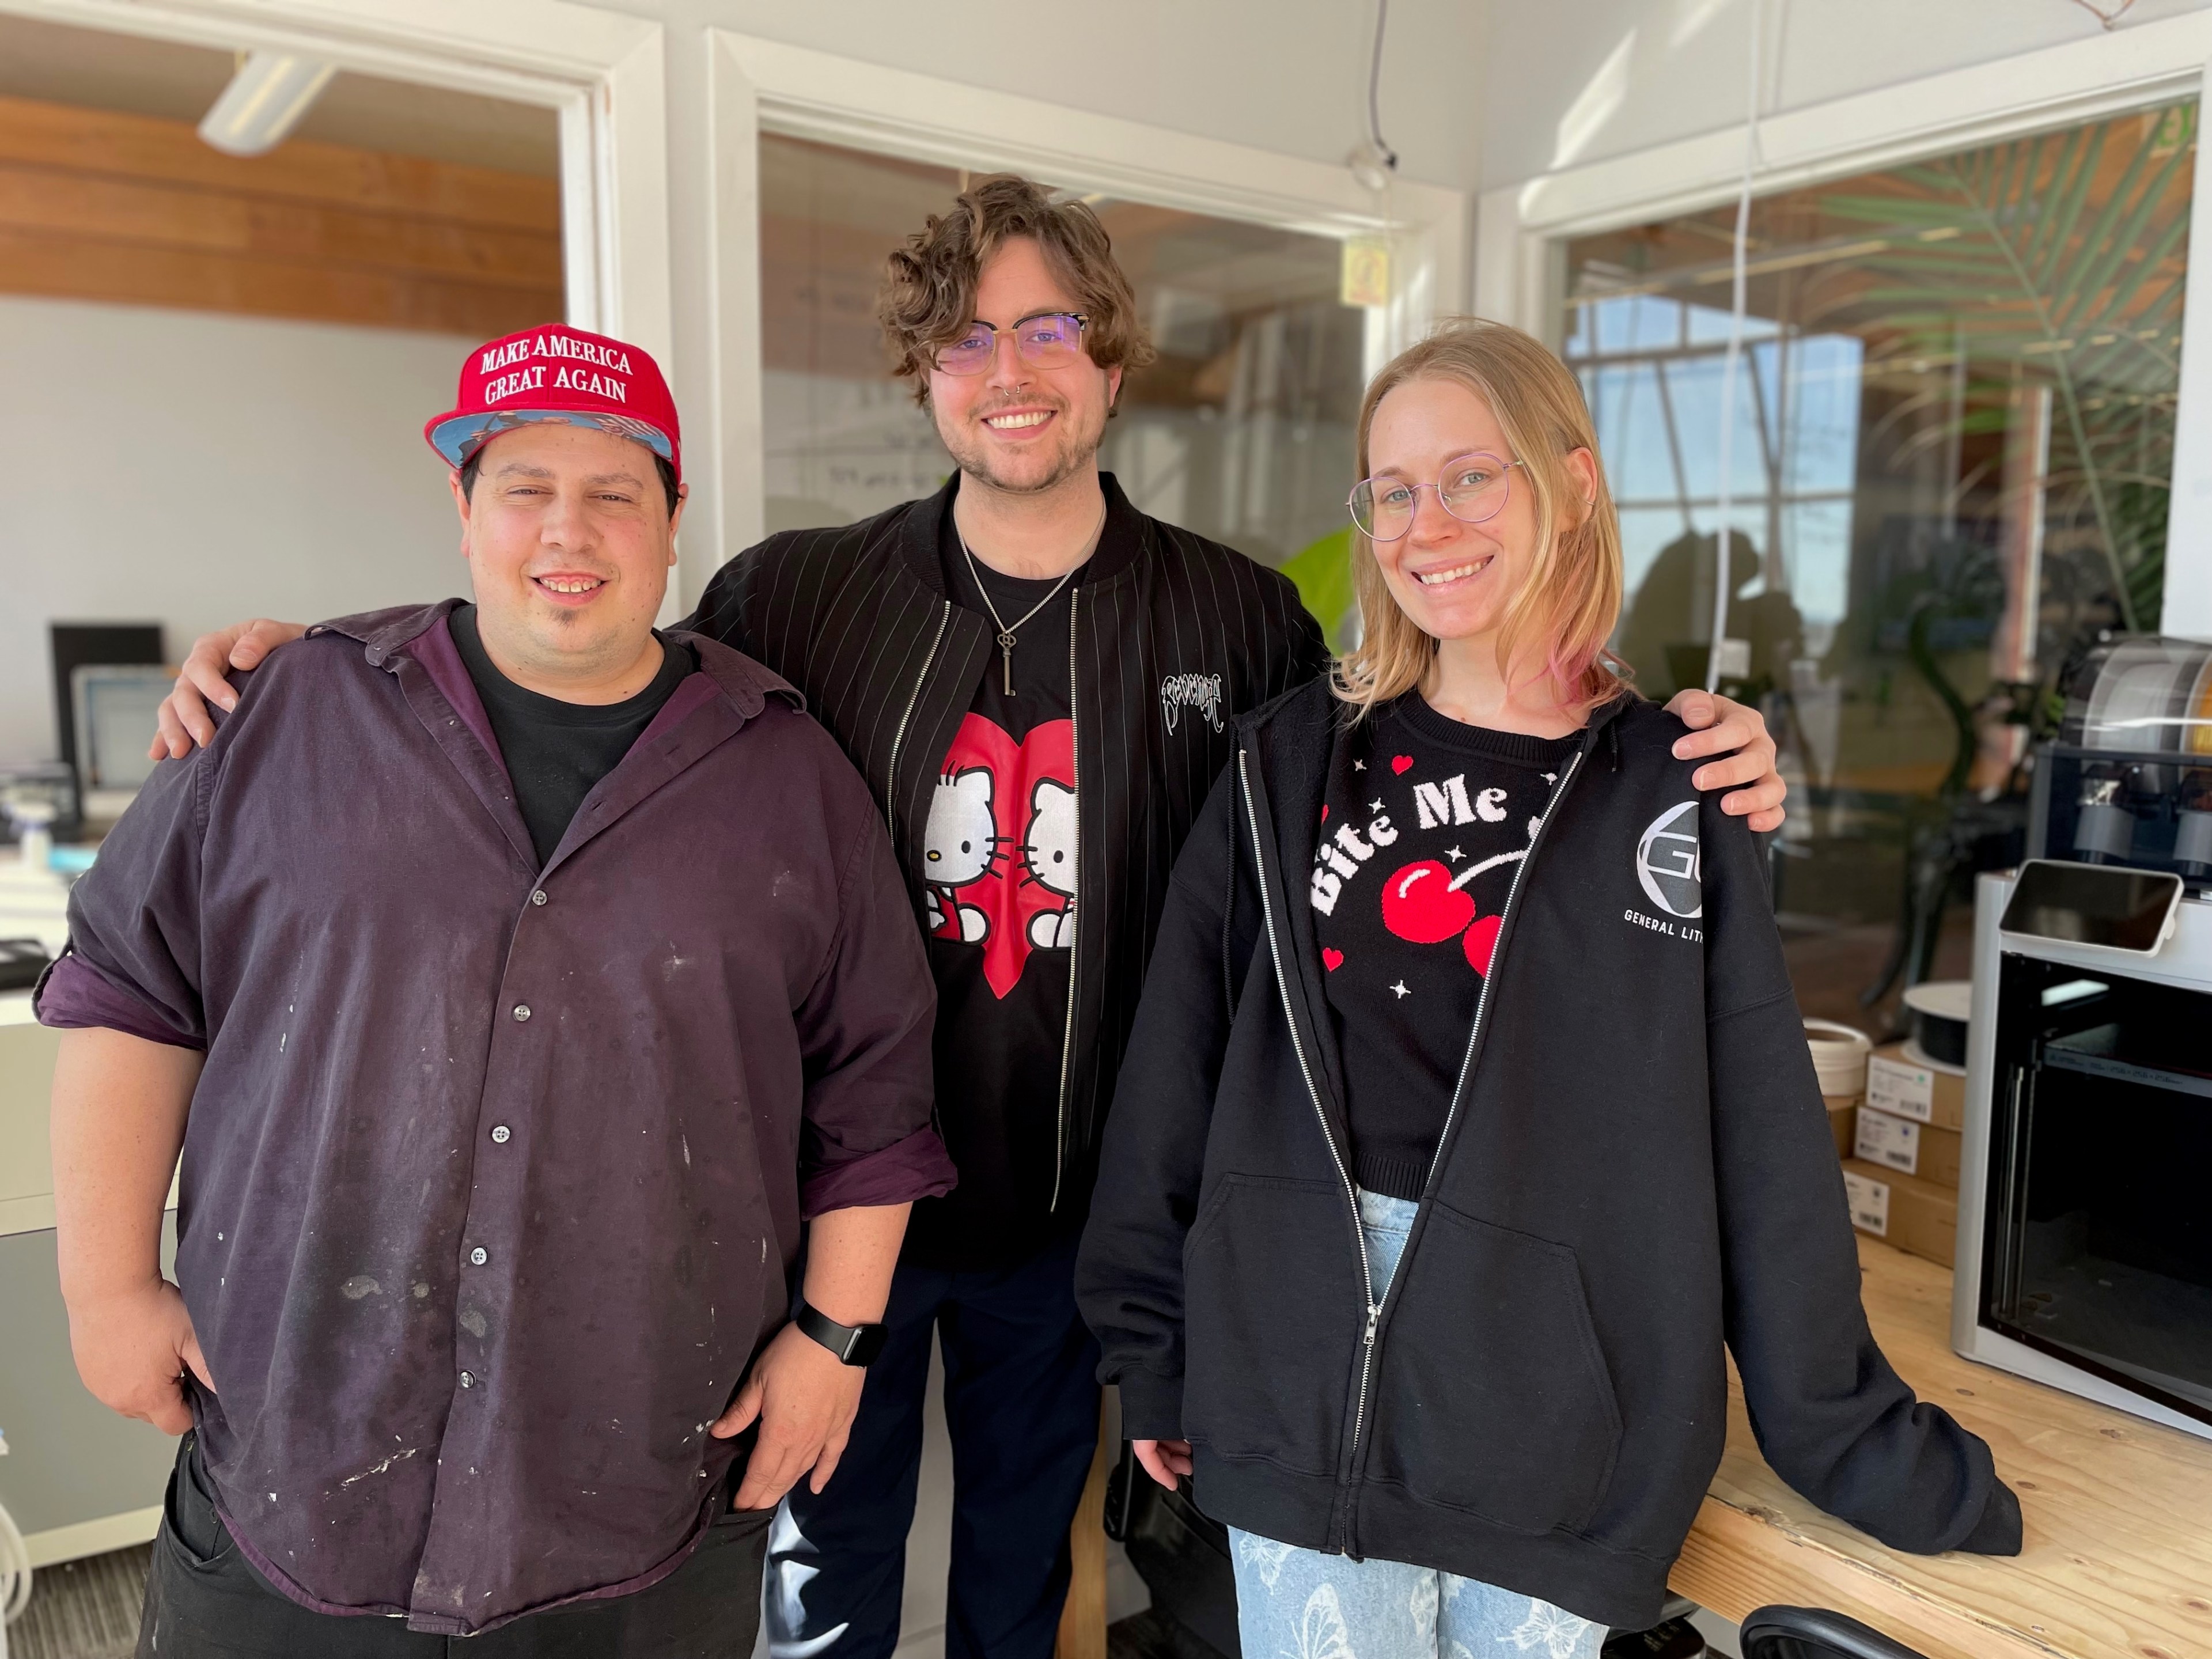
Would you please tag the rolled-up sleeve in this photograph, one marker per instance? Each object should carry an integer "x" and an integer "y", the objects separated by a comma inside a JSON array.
[
  {"x": 866, "y": 1029},
  {"x": 133, "y": 961}
]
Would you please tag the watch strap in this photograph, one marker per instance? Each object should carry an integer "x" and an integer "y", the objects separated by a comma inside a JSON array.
[{"x": 854, "y": 1345}]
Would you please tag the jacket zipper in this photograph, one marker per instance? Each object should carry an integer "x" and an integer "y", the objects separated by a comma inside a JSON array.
[
  {"x": 898, "y": 738},
  {"x": 1344, "y": 1175},
  {"x": 1074, "y": 907},
  {"x": 1459, "y": 1089}
]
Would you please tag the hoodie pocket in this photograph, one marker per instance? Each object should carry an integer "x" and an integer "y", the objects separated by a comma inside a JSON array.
[
  {"x": 1272, "y": 1311},
  {"x": 1493, "y": 1395}
]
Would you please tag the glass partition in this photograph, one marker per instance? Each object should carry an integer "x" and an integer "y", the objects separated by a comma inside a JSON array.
[{"x": 1949, "y": 465}]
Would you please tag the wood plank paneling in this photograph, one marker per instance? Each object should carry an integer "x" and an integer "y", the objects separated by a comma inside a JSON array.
[{"x": 129, "y": 209}]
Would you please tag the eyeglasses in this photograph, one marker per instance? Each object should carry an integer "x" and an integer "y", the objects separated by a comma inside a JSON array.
[
  {"x": 1473, "y": 488},
  {"x": 1046, "y": 340}
]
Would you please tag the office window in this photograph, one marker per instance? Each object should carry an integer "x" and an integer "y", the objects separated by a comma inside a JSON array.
[{"x": 1949, "y": 464}]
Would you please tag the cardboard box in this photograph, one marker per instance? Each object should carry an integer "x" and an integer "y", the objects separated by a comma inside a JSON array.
[
  {"x": 1917, "y": 1216},
  {"x": 1909, "y": 1148},
  {"x": 1905, "y": 1088},
  {"x": 1843, "y": 1114}
]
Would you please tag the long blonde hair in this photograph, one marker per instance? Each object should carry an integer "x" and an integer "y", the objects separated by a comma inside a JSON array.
[{"x": 1556, "y": 627}]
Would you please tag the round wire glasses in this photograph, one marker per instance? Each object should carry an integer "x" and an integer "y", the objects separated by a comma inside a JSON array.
[
  {"x": 1473, "y": 488},
  {"x": 1044, "y": 340}
]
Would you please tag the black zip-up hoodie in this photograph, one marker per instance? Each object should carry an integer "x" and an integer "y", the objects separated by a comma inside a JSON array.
[{"x": 1637, "y": 1167}]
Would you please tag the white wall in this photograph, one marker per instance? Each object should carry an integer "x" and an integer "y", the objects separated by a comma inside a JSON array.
[
  {"x": 193, "y": 469},
  {"x": 1575, "y": 81}
]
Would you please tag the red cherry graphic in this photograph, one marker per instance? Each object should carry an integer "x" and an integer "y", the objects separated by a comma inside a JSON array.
[
  {"x": 1331, "y": 959},
  {"x": 1400, "y": 762},
  {"x": 1419, "y": 905},
  {"x": 1481, "y": 943}
]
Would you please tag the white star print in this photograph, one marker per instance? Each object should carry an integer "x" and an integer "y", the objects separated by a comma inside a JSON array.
[
  {"x": 1454, "y": 854},
  {"x": 1374, "y": 805},
  {"x": 1359, "y": 766},
  {"x": 1399, "y": 987}
]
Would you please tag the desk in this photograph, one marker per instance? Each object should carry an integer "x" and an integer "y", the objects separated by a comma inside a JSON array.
[{"x": 2118, "y": 1557}]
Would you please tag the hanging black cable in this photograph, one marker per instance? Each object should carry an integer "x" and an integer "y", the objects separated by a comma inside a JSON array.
[{"x": 1388, "y": 157}]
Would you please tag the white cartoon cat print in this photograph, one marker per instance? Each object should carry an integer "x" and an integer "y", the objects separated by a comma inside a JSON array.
[
  {"x": 1049, "y": 856},
  {"x": 959, "y": 843}
]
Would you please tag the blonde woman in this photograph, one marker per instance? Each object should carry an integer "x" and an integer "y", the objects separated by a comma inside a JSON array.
[{"x": 1468, "y": 1112}]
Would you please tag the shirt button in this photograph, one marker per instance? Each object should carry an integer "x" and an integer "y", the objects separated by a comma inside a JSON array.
[
  {"x": 467, "y": 1380},
  {"x": 522, "y": 1011},
  {"x": 538, "y": 898},
  {"x": 479, "y": 1255},
  {"x": 500, "y": 1133}
]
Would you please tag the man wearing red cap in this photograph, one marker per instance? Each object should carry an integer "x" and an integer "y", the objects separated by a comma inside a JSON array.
[{"x": 513, "y": 1100}]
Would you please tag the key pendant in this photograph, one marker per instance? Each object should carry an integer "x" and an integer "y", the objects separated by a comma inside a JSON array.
[{"x": 1007, "y": 655}]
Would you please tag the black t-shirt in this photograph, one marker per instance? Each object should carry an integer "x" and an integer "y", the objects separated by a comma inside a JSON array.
[
  {"x": 557, "y": 752},
  {"x": 1423, "y": 823},
  {"x": 1000, "y": 854}
]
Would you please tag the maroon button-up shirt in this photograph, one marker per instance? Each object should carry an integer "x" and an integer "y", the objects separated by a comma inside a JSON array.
[{"x": 493, "y": 1181}]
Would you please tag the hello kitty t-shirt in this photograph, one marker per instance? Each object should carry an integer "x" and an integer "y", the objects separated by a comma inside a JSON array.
[
  {"x": 999, "y": 854},
  {"x": 1425, "y": 822}
]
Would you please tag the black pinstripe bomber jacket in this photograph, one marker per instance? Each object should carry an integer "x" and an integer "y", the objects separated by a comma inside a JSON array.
[{"x": 1167, "y": 650}]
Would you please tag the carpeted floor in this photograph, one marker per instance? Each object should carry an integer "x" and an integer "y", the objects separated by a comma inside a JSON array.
[{"x": 85, "y": 1609}]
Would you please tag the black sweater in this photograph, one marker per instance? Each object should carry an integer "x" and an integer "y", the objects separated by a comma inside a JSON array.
[{"x": 1539, "y": 1402}]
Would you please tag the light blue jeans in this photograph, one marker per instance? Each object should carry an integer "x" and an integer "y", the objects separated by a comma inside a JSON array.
[{"x": 1294, "y": 1603}]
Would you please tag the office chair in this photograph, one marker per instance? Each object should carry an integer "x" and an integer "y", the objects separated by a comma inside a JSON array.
[{"x": 1815, "y": 1633}]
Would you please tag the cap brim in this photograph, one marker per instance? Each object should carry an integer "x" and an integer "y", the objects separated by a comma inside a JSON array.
[{"x": 457, "y": 437}]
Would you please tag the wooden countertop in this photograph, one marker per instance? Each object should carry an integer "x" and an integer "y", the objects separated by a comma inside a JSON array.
[{"x": 2118, "y": 1557}]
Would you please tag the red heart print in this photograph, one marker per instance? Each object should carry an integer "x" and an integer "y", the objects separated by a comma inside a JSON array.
[
  {"x": 1480, "y": 944},
  {"x": 1331, "y": 959},
  {"x": 1400, "y": 762},
  {"x": 1418, "y": 903},
  {"x": 1324, "y": 814}
]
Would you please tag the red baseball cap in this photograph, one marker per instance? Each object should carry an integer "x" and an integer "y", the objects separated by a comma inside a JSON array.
[{"x": 557, "y": 373}]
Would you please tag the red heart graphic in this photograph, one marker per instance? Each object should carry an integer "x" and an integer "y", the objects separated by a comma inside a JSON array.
[
  {"x": 1419, "y": 905},
  {"x": 1324, "y": 815},
  {"x": 1331, "y": 959},
  {"x": 1481, "y": 943},
  {"x": 1400, "y": 762}
]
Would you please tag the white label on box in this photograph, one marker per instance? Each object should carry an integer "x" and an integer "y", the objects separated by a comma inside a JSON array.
[
  {"x": 1869, "y": 1204},
  {"x": 1902, "y": 1089},
  {"x": 1895, "y": 1141}
]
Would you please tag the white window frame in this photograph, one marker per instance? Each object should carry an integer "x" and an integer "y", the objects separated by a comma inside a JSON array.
[
  {"x": 602, "y": 72},
  {"x": 758, "y": 85},
  {"x": 1522, "y": 229}
]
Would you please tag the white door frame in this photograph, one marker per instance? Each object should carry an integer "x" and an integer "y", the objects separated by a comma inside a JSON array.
[
  {"x": 602, "y": 71},
  {"x": 1522, "y": 229},
  {"x": 758, "y": 85}
]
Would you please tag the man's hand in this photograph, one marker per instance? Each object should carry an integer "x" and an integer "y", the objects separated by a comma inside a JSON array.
[
  {"x": 806, "y": 1397},
  {"x": 184, "y": 720},
  {"x": 1165, "y": 1461},
  {"x": 1718, "y": 725},
  {"x": 132, "y": 1348}
]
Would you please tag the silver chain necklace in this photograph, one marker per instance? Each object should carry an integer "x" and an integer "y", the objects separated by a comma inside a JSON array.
[{"x": 1006, "y": 633}]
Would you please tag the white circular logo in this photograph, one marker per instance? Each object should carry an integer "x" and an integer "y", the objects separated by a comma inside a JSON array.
[{"x": 1667, "y": 862}]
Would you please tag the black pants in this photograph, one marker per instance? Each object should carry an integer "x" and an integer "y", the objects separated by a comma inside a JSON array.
[
  {"x": 1021, "y": 1400},
  {"x": 205, "y": 1601}
]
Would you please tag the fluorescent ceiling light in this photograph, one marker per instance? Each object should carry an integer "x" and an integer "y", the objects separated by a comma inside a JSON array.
[{"x": 263, "y": 103}]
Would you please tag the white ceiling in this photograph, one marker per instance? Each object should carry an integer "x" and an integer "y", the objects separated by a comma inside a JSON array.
[{"x": 100, "y": 70}]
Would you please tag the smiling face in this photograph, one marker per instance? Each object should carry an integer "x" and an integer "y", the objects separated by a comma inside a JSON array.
[
  {"x": 1016, "y": 427},
  {"x": 569, "y": 540},
  {"x": 1456, "y": 580}
]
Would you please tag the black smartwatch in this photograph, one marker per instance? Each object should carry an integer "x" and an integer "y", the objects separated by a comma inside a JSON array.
[{"x": 854, "y": 1345}]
